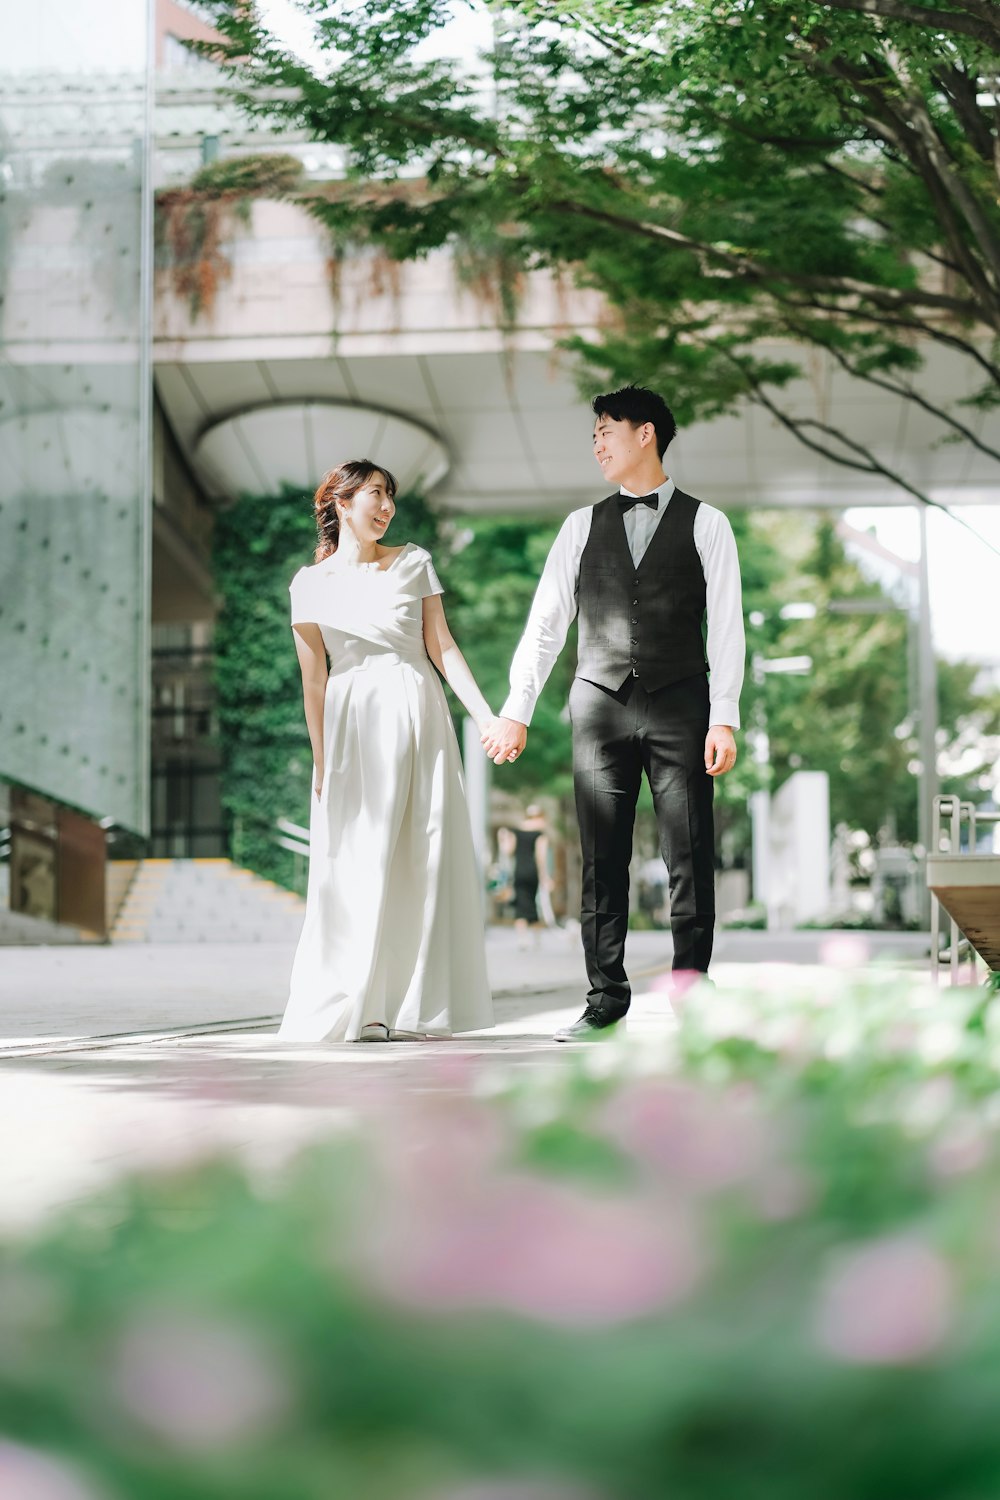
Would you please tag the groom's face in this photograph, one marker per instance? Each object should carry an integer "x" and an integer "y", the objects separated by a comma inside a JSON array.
[{"x": 619, "y": 446}]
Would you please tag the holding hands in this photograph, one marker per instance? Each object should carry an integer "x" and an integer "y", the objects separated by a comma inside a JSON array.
[{"x": 504, "y": 739}]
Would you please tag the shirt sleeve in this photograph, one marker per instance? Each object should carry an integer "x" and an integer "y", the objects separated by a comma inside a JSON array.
[
  {"x": 552, "y": 612},
  {"x": 726, "y": 644}
]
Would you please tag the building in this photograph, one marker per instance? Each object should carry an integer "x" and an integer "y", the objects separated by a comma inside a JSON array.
[{"x": 126, "y": 419}]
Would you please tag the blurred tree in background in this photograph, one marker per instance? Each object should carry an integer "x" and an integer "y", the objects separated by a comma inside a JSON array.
[
  {"x": 849, "y": 716},
  {"x": 494, "y": 577}
]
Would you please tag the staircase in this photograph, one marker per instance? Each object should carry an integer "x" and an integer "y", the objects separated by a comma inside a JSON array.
[{"x": 205, "y": 901}]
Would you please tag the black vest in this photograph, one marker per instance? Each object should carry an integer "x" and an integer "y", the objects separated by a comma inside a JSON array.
[{"x": 643, "y": 621}]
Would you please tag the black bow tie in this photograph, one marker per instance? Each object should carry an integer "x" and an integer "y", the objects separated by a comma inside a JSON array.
[{"x": 627, "y": 501}]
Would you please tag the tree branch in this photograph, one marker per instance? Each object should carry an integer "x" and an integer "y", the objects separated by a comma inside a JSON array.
[
  {"x": 963, "y": 94},
  {"x": 901, "y": 133},
  {"x": 958, "y": 23},
  {"x": 747, "y": 268},
  {"x": 866, "y": 463},
  {"x": 895, "y": 388},
  {"x": 931, "y": 331},
  {"x": 938, "y": 153}
]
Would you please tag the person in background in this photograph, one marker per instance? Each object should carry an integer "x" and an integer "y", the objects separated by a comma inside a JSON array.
[{"x": 531, "y": 870}]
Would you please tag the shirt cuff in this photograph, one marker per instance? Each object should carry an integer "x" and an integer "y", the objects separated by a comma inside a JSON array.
[
  {"x": 518, "y": 707},
  {"x": 724, "y": 711}
]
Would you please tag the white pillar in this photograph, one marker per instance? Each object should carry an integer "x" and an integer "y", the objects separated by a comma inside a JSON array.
[
  {"x": 760, "y": 837},
  {"x": 928, "y": 707}
]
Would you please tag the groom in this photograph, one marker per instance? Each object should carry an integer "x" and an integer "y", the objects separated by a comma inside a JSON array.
[{"x": 642, "y": 569}]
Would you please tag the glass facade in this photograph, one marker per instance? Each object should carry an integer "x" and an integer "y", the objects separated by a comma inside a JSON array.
[{"x": 75, "y": 403}]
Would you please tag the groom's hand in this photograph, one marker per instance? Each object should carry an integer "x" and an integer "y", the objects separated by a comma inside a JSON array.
[
  {"x": 504, "y": 740},
  {"x": 720, "y": 750}
]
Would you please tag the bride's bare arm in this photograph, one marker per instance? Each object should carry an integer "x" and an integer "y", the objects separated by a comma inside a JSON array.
[
  {"x": 450, "y": 662},
  {"x": 312, "y": 663}
]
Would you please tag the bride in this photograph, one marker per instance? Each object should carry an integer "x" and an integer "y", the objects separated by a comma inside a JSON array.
[{"x": 392, "y": 947}]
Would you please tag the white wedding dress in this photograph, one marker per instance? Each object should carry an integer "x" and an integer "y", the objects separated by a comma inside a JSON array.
[{"x": 393, "y": 929}]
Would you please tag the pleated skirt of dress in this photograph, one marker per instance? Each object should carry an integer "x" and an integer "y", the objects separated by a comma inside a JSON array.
[{"x": 393, "y": 930}]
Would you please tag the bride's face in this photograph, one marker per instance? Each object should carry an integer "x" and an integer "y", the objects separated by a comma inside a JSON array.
[{"x": 370, "y": 511}]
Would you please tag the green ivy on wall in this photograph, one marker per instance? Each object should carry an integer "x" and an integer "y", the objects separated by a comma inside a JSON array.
[{"x": 259, "y": 544}]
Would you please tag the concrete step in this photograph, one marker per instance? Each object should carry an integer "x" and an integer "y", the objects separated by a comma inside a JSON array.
[{"x": 206, "y": 901}]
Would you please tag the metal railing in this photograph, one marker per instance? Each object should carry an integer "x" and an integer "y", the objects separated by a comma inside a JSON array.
[
  {"x": 295, "y": 838},
  {"x": 950, "y": 814},
  {"x": 292, "y": 836}
]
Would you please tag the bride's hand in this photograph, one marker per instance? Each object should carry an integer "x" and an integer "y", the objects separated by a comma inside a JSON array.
[
  {"x": 318, "y": 781},
  {"x": 504, "y": 740}
]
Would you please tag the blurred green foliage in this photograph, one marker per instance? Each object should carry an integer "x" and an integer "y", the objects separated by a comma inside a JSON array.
[
  {"x": 261, "y": 174},
  {"x": 757, "y": 1258},
  {"x": 850, "y": 716}
]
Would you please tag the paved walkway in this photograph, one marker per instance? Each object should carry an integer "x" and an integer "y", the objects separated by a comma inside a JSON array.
[
  {"x": 63, "y": 995},
  {"x": 116, "y": 1058}
]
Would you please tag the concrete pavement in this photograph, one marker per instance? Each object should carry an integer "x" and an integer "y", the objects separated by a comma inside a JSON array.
[
  {"x": 117, "y": 1059},
  {"x": 60, "y": 995}
]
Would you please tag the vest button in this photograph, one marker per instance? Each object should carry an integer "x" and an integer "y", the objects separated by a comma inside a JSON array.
[{"x": 635, "y": 601}]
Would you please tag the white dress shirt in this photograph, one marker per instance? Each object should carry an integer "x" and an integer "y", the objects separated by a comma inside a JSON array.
[{"x": 555, "y": 605}]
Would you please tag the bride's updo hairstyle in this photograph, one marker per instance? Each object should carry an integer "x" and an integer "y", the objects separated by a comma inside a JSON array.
[{"x": 343, "y": 483}]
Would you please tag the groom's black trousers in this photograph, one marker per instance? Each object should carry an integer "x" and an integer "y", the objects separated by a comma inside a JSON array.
[{"x": 617, "y": 736}]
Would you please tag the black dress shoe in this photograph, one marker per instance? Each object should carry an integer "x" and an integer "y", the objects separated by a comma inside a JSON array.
[{"x": 591, "y": 1026}]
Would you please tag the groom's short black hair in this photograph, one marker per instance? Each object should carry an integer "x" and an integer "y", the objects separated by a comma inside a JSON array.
[{"x": 633, "y": 403}]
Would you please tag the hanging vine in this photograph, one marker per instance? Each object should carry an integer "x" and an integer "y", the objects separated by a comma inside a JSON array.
[{"x": 194, "y": 222}]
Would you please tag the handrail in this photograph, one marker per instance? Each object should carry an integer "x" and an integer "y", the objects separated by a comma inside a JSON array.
[
  {"x": 951, "y": 808},
  {"x": 294, "y": 830}
]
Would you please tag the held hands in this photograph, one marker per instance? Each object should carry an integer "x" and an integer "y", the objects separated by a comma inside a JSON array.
[
  {"x": 720, "y": 750},
  {"x": 504, "y": 739}
]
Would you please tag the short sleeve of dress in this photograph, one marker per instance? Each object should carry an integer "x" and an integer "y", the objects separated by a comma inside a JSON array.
[
  {"x": 426, "y": 576},
  {"x": 300, "y": 591}
]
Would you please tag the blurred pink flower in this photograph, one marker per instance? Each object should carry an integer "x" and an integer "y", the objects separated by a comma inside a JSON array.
[
  {"x": 441, "y": 1140},
  {"x": 536, "y": 1248},
  {"x": 962, "y": 1149},
  {"x": 900, "y": 1036},
  {"x": 887, "y": 1303},
  {"x": 783, "y": 1193},
  {"x": 26, "y": 1474},
  {"x": 845, "y": 950},
  {"x": 199, "y": 1384},
  {"x": 706, "y": 1141},
  {"x": 678, "y": 985}
]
